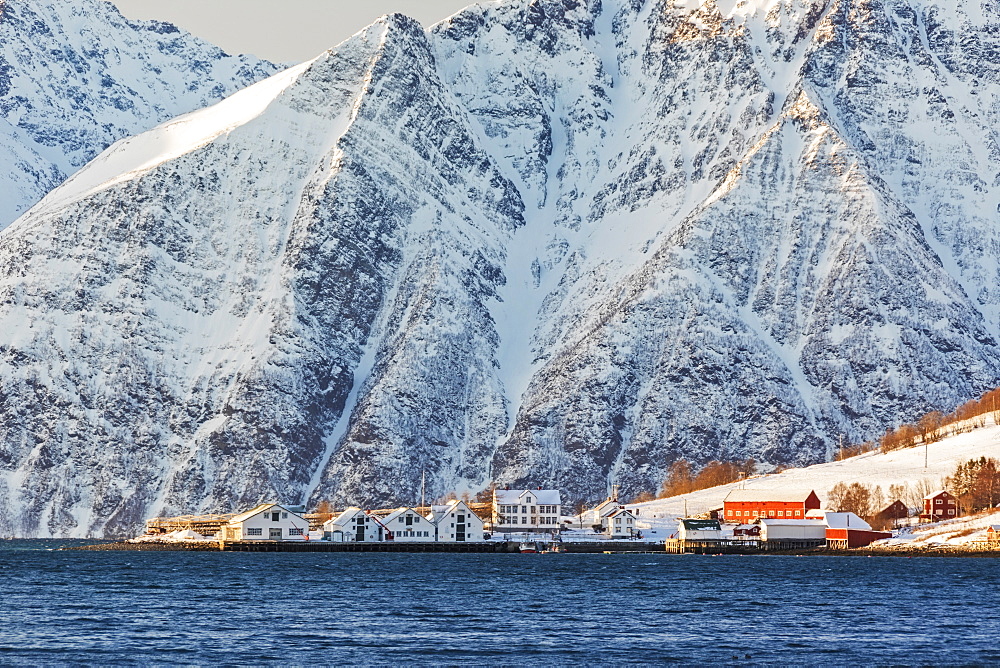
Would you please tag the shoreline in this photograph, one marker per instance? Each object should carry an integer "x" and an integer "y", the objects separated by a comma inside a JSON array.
[{"x": 511, "y": 548}]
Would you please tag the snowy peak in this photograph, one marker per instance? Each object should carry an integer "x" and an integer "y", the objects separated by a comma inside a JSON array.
[{"x": 77, "y": 76}]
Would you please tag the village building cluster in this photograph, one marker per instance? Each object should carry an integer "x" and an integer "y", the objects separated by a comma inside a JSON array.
[
  {"x": 748, "y": 520},
  {"x": 773, "y": 520}
]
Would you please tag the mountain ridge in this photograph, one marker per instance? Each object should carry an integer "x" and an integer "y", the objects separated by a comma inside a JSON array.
[{"x": 76, "y": 77}]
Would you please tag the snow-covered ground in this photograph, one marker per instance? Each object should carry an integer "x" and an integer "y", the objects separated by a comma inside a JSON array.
[
  {"x": 962, "y": 532},
  {"x": 873, "y": 468}
]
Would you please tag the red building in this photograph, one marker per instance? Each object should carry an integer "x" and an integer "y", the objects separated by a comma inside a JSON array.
[
  {"x": 845, "y": 539},
  {"x": 742, "y": 506},
  {"x": 940, "y": 505},
  {"x": 993, "y": 534}
]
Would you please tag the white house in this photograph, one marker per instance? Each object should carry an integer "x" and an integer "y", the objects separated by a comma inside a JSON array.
[
  {"x": 456, "y": 523},
  {"x": 268, "y": 521},
  {"x": 407, "y": 525},
  {"x": 526, "y": 510},
  {"x": 597, "y": 515},
  {"x": 353, "y": 526},
  {"x": 688, "y": 529},
  {"x": 620, "y": 524}
]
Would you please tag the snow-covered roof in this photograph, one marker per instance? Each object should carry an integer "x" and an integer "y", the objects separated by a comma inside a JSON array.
[
  {"x": 399, "y": 512},
  {"x": 785, "y": 522},
  {"x": 440, "y": 512},
  {"x": 764, "y": 495},
  {"x": 935, "y": 494},
  {"x": 514, "y": 496},
  {"x": 242, "y": 517},
  {"x": 846, "y": 521},
  {"x": 343, "y": 517},
  {"x": 620, "y": 511}
]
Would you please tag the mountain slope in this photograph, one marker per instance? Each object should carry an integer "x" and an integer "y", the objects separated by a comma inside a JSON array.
[
  {"x": 75, "y": 77},
  {"x": 545, "y": 242}
]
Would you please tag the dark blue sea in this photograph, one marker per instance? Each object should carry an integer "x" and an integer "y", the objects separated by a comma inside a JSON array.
[{"x": 113, "y": 608}]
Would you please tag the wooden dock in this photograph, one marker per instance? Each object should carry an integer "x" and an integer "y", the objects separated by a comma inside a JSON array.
[
  {"x": 489, "y": 547},
  {"x": 729, "y": 546}
]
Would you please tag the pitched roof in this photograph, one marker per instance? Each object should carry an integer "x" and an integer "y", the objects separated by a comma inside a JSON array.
[
  {"x": 937, "y": 493},
  {"x": 620, "y": 511},
  {"x": 777, "y": 521},
  {"x": 401, "y": 511},
  {"x": 348, "y": 514},
  {"x": 846, "y": 521},
  {"x": 242, "y": 517},
  {"x": 765, "y": 495},
  {"x": 513, "y": 496}
]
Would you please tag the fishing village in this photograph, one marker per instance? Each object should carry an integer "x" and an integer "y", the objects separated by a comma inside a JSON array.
[{"x": 532, "y": 521}]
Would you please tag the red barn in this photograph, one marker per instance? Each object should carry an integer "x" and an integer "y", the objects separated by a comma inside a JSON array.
[
  {"x": 843, "y": 539},
  {"x": 742, "y": 506},
  {"x": 847, "y": 531},
  {"x": 993, "y": 534},
  {"x": 940, "y": 505}
]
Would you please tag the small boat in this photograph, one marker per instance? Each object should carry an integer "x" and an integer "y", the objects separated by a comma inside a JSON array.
[
  {"x": 553, "y": 548},
  {"x": 529, "y": 548}
]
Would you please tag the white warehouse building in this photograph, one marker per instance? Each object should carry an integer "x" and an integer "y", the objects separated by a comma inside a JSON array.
[
  {"x": 268, "y": 521},
  {"x": 407, "y": 525},
  {"x": 456, "y": 523},
  {"x": 353, "y": 526}
]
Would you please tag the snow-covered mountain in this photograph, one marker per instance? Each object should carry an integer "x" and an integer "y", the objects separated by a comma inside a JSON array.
[
  {"x": 77, "y": 76},
  {"x": 554, "y": 242}
]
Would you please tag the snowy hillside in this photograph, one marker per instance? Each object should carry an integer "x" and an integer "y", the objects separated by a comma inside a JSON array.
[
  {"x": 77, "y": 76},
  {"x": 898, "y": 467},
  {"x": 545, "y": 242}
]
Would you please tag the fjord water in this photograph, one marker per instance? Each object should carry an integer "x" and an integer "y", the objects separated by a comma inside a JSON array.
[{"x": 196, "y": 608}]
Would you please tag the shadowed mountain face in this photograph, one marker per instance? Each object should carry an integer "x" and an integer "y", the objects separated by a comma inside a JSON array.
[
  {"x": 77, "y": 76},
  {"x": 552, "y": 242}
]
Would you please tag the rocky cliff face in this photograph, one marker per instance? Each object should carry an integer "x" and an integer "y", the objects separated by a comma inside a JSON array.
[
  {"x": 77, "y": 76},
  {"x": 548, "y": 242}
]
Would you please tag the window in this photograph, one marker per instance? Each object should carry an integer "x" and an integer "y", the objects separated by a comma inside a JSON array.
[
  {"x": 729, "y": 512},
  {"x": 274, "y": 517},
  {"x": 401, "y": 520},
  {"x": 255, "y": 531},
  {"x": 951, "y": 511},
  {"x": 939, "y": 502},
  {"x": 284, "y": 516},
  {"x": 798, "y": 513},
  {"x": 524, "y": 509},
  {"x": 781, "y": 513},
  {"x": 294, "y": 531},
  {"x": 409, "y": 520}
]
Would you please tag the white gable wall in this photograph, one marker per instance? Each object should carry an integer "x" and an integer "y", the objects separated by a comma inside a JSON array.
[
  {"x": 352, "y": 526},
  {"x": 271, "y": 523},
  {"x": 408, "y": 526},
  {"x": 459, "y": 524}
]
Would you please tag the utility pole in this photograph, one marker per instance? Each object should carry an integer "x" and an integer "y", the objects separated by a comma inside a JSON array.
[{"x": 423, "y": 479}]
